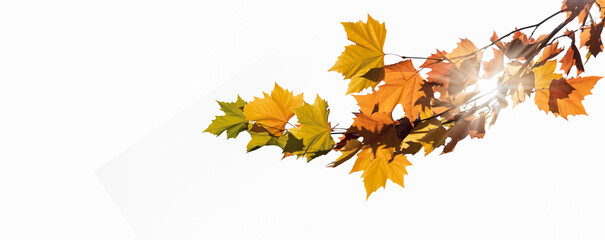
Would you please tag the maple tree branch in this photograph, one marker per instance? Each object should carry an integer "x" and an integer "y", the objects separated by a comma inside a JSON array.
[
  {"x": 543, "y": 21},
  {"x": 419, "y": 58},
  {"x": 454, "y": 107},
  {"x": 535, "y": 26}
]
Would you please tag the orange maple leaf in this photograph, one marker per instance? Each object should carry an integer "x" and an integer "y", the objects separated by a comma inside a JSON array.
[
  {"x": 402, "y": 86},
  {"x": 562, "y": 97},
  {"x": 572, "y": 56}
]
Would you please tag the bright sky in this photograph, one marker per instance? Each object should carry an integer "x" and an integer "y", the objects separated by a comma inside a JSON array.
[{"x": 92, "y": 81}]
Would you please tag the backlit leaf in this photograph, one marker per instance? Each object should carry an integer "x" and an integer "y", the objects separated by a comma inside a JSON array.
[
  {"x": 273, "y": 111},
  {"x": 315, "y": 131},
  {"x": 563, "y": 97},
  {"x": 233, "y": 121},
  {"x": 366, "y": 54},
  {"x": 402, "y": 86}
]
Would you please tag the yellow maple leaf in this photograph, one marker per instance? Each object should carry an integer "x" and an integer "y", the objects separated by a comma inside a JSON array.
[
  {"x": 273, "y": 111},
  {"x": 315, "y": 130},
  {"x": 366, "y": 54},
  {"x": 543, "y": 76},
  {"x": 379, "y": 165}
]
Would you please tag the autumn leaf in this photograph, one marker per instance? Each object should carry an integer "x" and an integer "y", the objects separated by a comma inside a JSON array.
[
  {"x": 591, "y": 38},
  {"x": 368, "y": 103},
  {"x": 601, "y": 4},
  {"x": 548, "y": 53},
  {"x": 518, "y": 81},
  {"x": 369, "y": 119},
  {"x": 402, "y": 86},
  {"x": 428, "y": 95},
  {"x": 544, "y": 75},
  {"x": 373, "y": 123},
  {"x": 440, "y": 69},
  {"x": 396, "y": 169},
  {"x": 260, "y": 139},
  {"x": 577, "y": 8},
  {"x": 495, "y": 41},
  {"x": 467, "y": 58},
  {"x": 464, "y": 51},
  {"x": 350, "y": 149},
  {"x": 572, "y": 56},
  {"x": 460, "y": 71},
  {"x": 273, "y": 111},
  {"x": 562, "y": 97},
  {"x": 572, "y": 105},
  {"x": 495, "y": 65},
  {"x": 456, "y": 133},
  {"x": 520, "y": 47},
  {"x": 234, "y": 120},
  {"x": 378, "y": 166},
  {"x": 441, "y": 110},
  {"x": 425, "y": 134},
  {"x": 315, "y": 131},
  {"x": 366, "y": 54},
  {"x": 477, "y": 127},
  {"x": 558, "y": 89}
]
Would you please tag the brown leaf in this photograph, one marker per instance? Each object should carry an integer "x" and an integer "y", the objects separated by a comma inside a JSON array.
[
  {"x": 559, "y": 89},
  {"x": 427, "y": 89},
  {"x": 591, "y": 38},
  {"x": 520, "y": 47},
  {"x": 345, "y": 139},
  {"x": 456, "y": 133},
  {"x": 579, "y": 8}
]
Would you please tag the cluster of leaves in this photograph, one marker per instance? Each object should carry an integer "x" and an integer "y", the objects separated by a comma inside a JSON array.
[{"x": 441, "y": 98}]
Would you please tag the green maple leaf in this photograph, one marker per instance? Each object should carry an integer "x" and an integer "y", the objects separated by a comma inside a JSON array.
[
  {"x": 234, "y": 120},
  {"x": 260, "y": 139},
  {"x": 315, "y": 131}
]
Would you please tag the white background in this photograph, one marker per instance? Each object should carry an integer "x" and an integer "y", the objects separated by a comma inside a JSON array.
[{"x": 82, "y": 82}]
